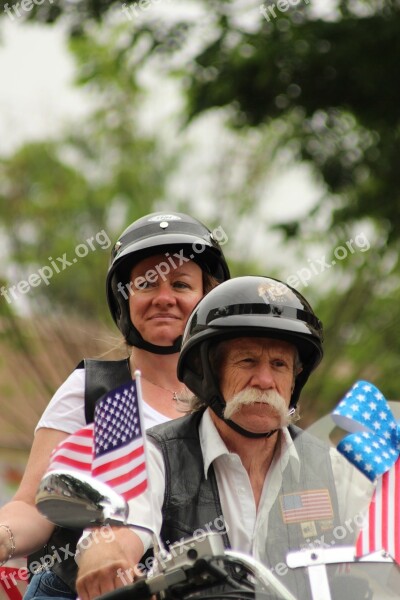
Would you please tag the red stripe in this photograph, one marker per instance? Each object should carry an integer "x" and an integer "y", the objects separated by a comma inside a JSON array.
[
  {"x": 126, "y": 476},
  {"x": 76, "y": 447},
  {"x": 136, "y": 491},
  {"x": 86, "y": 432},
  {"x": 371, "y": 523},
  {"x": 123, "y": 460},
  {"x": 397, "y": 512},
  {"x": 385, "y": 517},
  {"x": 71, "y": 462}
]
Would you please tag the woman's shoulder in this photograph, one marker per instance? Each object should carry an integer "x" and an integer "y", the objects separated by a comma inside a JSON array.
[{"x": 66, "y": 409}]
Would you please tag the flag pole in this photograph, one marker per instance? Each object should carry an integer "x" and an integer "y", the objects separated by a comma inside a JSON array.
[{"x": 159, "y": 551}]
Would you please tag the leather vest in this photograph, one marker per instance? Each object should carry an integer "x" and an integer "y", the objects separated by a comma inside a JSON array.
[{"x": 192, "y": 502}]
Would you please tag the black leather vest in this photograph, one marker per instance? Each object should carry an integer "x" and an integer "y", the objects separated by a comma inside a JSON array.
[{"x": 192, "y": 502}]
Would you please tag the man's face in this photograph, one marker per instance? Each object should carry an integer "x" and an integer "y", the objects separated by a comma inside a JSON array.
[{"x": 249, "y": 367}]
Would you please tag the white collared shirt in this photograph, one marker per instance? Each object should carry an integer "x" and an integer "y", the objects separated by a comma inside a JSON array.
[{"x": 245, "y": 525}]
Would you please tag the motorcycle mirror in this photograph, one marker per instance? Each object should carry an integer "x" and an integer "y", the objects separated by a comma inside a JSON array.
[{"x": 74, "y": 500}]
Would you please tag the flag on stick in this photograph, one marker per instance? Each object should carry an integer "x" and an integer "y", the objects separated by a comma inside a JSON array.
[
  {"x": 381, "y": 530},
  {"x": 374, "y": 448},
  {"x": 118, "y": 457},
  {"x": 112, "y": 448}
]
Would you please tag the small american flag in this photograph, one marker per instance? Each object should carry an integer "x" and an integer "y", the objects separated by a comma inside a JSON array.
[
  {"x": 111, "y": 449},
  {"x": 309, "y": 505},
  {"x": 382, "y": 526},
  {"x": 119, "y": 457}
]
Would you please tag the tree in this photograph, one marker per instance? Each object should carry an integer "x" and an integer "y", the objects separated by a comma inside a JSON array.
[{"x": 64, "y": 202}]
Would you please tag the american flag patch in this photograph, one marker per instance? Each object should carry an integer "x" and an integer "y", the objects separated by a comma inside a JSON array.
[{"x": 310, "y": 505}]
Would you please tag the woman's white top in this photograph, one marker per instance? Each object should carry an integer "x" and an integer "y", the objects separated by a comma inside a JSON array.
[{"x": 66, "y": 409}]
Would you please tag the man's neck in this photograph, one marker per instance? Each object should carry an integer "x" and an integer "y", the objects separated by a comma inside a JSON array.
[{"x": 256, "y": 454}]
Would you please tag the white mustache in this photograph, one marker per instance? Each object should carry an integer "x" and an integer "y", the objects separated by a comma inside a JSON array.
[{"x": 253, "y": 396}]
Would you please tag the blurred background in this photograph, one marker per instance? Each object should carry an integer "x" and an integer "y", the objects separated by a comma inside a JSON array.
[{"x": 277, "y": 122}]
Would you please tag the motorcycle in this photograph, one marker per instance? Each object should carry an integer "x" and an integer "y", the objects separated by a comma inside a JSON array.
[{"x": 200, "y": 568}]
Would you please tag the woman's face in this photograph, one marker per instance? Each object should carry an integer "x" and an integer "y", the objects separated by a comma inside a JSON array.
[{"x": 161, "y": 297}]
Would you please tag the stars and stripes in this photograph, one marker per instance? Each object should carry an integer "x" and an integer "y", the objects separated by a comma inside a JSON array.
[
  {"x": 112, "y": 448},
  {"x": 119, "y": 457},
  {"x": 374, "y": 448},
  {"x": 309, "y": 505}
]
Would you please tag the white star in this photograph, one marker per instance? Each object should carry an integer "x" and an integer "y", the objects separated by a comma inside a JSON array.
[
  {"x": 383, "y": 415},
  {"x": 358, "y": 457},
  {"x": 348, "y": 448},
  {"x": 354, "y": 407},
  {"x": 378, "y": 459},
  {"x": 360, "y": 397},
  {"x": 368, "y": 467},
  {"x": 372, "y": 405},
  {"x": 376, "y": 425},
  {"x": 366, "y": 388},
  {"x": 366, "y": 416},
  {"x": 367, "y": 449}
]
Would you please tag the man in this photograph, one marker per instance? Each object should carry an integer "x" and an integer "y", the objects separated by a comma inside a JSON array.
[{"x": 247, "y": 351}]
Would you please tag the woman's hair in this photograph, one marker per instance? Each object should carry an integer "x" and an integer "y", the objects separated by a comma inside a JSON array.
[{"x": 209, "y": 282}]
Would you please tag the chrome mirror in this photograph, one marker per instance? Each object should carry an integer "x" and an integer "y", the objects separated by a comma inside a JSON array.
[{"x": 74, "y": 500}]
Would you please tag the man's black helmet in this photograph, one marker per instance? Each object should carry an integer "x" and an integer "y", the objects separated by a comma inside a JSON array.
[
  {"x": 247, "y": 307},
  {"x": 159, "y": 233}
]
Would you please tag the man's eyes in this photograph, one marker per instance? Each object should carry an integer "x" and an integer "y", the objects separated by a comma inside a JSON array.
[{"x": 250, "y": 360}]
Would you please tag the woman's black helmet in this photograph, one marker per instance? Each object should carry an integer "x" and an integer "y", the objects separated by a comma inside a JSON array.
[
  {"x": 247, "y": 307},
  {"x": 159, "y": 233}
]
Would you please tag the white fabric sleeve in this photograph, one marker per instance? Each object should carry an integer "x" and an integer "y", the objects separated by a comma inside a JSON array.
[
  {"x": 66, "y": 409},
  {"x": 354, "y": 492}
]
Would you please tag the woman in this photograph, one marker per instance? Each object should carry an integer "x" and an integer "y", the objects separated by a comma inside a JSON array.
[{"x": 161, "y": 266}]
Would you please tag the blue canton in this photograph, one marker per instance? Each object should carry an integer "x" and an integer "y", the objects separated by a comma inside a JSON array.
[{"x": 374, "y": 444}]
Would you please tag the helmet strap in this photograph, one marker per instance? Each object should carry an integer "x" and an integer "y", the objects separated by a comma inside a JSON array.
[{"x": 135, "y": 339}]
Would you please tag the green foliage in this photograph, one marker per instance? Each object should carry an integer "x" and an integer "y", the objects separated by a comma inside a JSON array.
[{"x": 63, "y": 203}]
